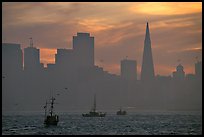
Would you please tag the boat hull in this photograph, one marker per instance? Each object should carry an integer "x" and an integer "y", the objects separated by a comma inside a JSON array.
[
  {"x": 94, "y": 114},
  {"x": 121, "y": 113},
  {"x": 51, "y": 120}
]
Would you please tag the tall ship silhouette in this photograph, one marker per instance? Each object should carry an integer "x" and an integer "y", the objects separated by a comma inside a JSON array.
[
  {"x": 51, "y": 118},
  {"x": 93, "y": 112}
]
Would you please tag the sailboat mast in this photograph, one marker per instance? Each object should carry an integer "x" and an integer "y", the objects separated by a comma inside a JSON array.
[
  {"x": 52, "y": 102},
  {"x": 45, "y": 109},
  {"x": 94, "y": 102}
]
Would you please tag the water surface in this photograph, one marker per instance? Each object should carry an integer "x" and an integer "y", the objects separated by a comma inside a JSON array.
[{"x": 131, "y": 124}]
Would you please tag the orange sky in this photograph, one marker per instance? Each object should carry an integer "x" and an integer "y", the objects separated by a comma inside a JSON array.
[{"x": 118, "y": 28}]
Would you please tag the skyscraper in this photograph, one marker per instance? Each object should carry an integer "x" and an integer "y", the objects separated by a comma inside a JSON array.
[
  {"x": 147, "y": 71},
  {"x": 83, "y": 46},
  {"x": 64, "y": 56},
  {"x": 31, "y": 58},
  {"x": 12, "y": 58},
  {"x": 64, "y": 60},
  {"x": 198, "y": 70},
  {"x": 129, "y": 69}
]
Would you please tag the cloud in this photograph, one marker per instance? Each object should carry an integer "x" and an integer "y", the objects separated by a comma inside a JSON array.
[
  {"x": 118, "y": 29},
  {"x": 95, "y": 24},
  {"x": 166, "y": 8}
]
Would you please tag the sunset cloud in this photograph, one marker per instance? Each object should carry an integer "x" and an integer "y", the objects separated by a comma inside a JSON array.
[
  {"x": 95, "y": 24},
  {"x": 166, "y": 8},
  {"x": 118, "y": 28}
]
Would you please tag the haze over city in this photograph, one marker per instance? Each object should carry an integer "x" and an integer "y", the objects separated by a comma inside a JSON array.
[
  {"x": 102, "y": 68},
  {"x": 118, "y": 29}
]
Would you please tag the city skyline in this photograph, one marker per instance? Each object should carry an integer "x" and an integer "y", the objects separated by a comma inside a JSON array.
[
  {"x": 84, "y": 57},
  {"x": 102, "y": 68},
  {"x": 125, "y": 35}
]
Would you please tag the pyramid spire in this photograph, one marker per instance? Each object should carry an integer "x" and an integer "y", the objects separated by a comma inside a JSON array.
[
  {"x": 147, "y": 36},
  {"x": 147, "y": 72}
]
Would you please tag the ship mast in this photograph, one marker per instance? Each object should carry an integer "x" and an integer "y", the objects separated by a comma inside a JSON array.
[
  {"x": 94, "y": 109},
  {"x": 45, "y": 107},
  {"x": 52, "y": 103}
]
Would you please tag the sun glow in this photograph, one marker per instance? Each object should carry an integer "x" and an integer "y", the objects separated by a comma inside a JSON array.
[
  {"x": 163, "y": 8},
  {"x": 47, "y": 55}
]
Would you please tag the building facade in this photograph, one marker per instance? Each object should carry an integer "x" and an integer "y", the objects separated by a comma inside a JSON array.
[
  {"x": 31, "y": 59},
  {"x": 83, "y": 46},
  {"x": 129, "y": 69},
  {"x": 12, "y": 58}
]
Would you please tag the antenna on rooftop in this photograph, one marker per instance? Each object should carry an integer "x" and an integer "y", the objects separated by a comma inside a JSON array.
[{"x": 31, "y": 42}]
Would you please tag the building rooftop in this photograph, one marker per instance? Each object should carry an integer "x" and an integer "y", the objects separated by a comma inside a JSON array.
[{"x": 83, "y": 34}]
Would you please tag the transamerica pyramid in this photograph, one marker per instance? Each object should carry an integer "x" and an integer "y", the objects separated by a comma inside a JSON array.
[{"x": 147, "y": 71}]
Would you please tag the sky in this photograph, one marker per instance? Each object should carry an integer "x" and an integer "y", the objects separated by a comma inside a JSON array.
[{"x": 118, "y": 27}]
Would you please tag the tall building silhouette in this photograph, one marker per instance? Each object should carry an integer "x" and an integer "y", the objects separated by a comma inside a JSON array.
[
  {"x": 198, "y": 70},
  {"x": 147, "y": 71},
  {"x": 32, "y": 58},
  {"x": 64, "y": 57},
  {"x": 129, "y": 69},
  {"x": 12, "y": 58},
  {"x": 83, "y": 46}
]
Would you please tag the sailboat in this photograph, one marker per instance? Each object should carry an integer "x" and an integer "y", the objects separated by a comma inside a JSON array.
[
  {"x": 121, "y": 112},
  {"x": 93, "y": 112},
  {"x": 51, "y": 118}
]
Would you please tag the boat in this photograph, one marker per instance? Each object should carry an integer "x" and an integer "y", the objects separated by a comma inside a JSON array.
[
  {"x": 121, "y": 112},
  {"x": 51, "y": 118},
  {"x": 93, "y": 112}
]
